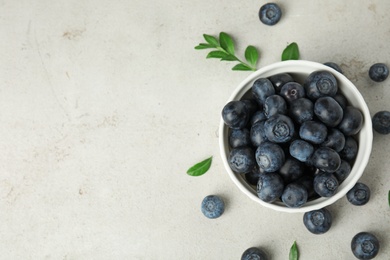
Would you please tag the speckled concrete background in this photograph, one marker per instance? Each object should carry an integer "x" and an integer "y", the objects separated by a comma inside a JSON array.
[{"x": 104, "y": 105}]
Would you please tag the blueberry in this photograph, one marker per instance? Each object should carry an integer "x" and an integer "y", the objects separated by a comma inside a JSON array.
[
  {"x": 212, "y": 206},
  {"x": 313, "y": 131},
  {"x": 252, "y": 177},
  {"x": 273, "y": 105},
  {"x": 254, "y": 253},
  {"x": 328, "y": 111},
  {"x": 350, "y": 149},
  {"x": 241, "y": 160},
  {"x": 292, "y": 91},
  {"x": 301, "y": 150},
  {"x": 325, "y": 184},
  {"x": 270, "y": 187},
  {"x": 270, "y": 156},
  {"x": 257, "y": 134},
  {"x": 352, "y": 121},
  {"x": 359, "y": 194},
  {"x": 335, "y": 140},
  {"x": 235, "y": 114},
  {"x": 239, "y": 137},
  {"x": 251, "y": 106},
  {"x": 279, "y": 129},
  {"x": 326, "y": 159},
  {"x": 258, "y": 116},
  {"x": 365, "y": 245},
  {"x": 270, "y": 14},
  {"x": 318, "y": 221},
  {"x": 261, "y": 89},
  {"x": 307, "y": 181},
  {"x": 378, "y": 72},
  {"x": 301, "y": 110},
  {"x": 291, "y": 170},
  {"x": 319, "y": 84},
  {"x": 278, "y": 80},
  {"x": 334, "y": 66},
  {"x": 294, "y": 195},
  {"x": 343, "y": 171},
  {"x": 341, "y": 99},
  {"x": 381, "y": 122}
]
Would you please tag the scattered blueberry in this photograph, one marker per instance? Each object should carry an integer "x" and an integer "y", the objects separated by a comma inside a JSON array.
[
  {"x": 261, "y": 89},
  {"x": 257, "y": 134},
  {"x": 350, "y": 149},
  {"x": 278, "y": 80},
  {"x": 343, "y": 171},
  {"x": 326, "y": 159},
  {"x": 270, "y": 14},
  {"x": 270, "y": 187},
  {"x": 381, "y": 122},
  {"x": 365, "y": 245},
  {"x": 335, "y": 140},
  {"x": 241, "y": 160},
  {"x": 378, "y": 72},
  {"x": 301, "y": 110},
  {"x": 294, "y": 195},
  {"x": 239, "y": 138},
  {"x": 318, "y": 221},
  {"x": 301, "y": 150},
  {"x": 270, "y": 156},
  {"x": 334, "y": 66},
  {"x": 254, "y": 253},
  {"x": 319, "y": 84},
  {"x": 328, "y": 111},
  {"x": 313, "y": 131},
  {"x": 274, "y": 105},
  {"x": 292, "y": 91},
  {"x": 325, "y": 184},
  {"x": 279, "y": 128},
  {"x": 352, "y": 121},
  {"x": 235, "y": 114},
  {"x": 212, "y": 206},
  {"x": 359, "y": 194}
]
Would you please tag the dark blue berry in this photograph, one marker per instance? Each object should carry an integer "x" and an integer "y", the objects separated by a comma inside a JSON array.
[
  {"x": 313, "y": 131},
  {"x": 241, "y": 159},
  {"x": 328, "y": 111},
  {"x": 307, "y": 181},
  {"x": 334, "y": 66},
  {"x": 291, "y": 170},
  {"x": 235, "y": 114},
  {"x": 378, "y": 72},
  {"x": 343, "y": 171},
  {"x": 301, "y": 110},
  {"x": 279, "y": 129},
  {"x": 258, "y": 116},
  {"x": 359, "y": 194},
  {"x": 301, "y": 150},
  {"x": 254, "y": 253},
  {"x": 273, "y": 105},
  {"x": 239, "y": 138},
  {"x": 270, "y": 14},
  {"x": 318, "y": 221},
  {"x": 270, "y": 187},
  {"x": 352, "y": 121},
  {"x": 381, "y": 122},
  {"x": 270, "y": 156},
  {"x": 326, "y": 159},
  {"x": 319, "y": 84},
  {"x": 252, "y": 177},
  {"x": 365, "y": 245},
  {"x": 278, "y": 80},
  {"x": 212, "y": 206},
  {"x": 292, "y": 91},
  {"x": 335, "y": 140},
  {"x": 350, "y": 149},
  {"x": 257, "y": 133},
  {"x": 294, "y": 195},
  {"x": 325, "y": 184},
  {"x": 341, "y": 99},
  {"x": 261, "y": 89}
]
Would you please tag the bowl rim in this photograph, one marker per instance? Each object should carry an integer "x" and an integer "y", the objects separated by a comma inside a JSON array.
[{"x": 365, "y": 144}]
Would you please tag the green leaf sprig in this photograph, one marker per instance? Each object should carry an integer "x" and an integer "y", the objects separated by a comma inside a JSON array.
[
  {"x": 291, "y": 52},
  {"x": 226, "y": 52},
  {"x": 200, "y": 168},
  {"x": 294, "y": 254}
]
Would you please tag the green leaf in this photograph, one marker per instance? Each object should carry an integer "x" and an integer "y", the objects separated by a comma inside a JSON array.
[
  {"x": 202, "y": 46},
  {"x": 229, "y": 57},
  {"x": 294, "y": 252},
  {"x": 251, "y": 55},
  {"x": 211, "y": 40},
  {"x": 291, "y": 52},
  {"x": 242, "y": 66},
  {"x": 200, "y": 168},
  {"x": 217, "y": 54},
  {"x": 226, "y": 42}
]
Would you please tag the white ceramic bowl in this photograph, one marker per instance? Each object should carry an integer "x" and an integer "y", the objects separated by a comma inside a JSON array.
[{"x": 300, "y": 70}]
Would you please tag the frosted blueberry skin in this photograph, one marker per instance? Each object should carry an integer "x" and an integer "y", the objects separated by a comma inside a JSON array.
[
  {"x": 270, "y": 14},
  {"x": 350, "y": 150},
  {"x": 270, "y": 187},
  {"x": 239, "y": 138},
  {"x": 292, "y": 91},
  {"x": 294, "y": 195},
  {"x": 328, "y": 111},
  {"x": 326, "y": 159},
  {"x": 318, "y": 221},
  {"x": 270, "y": 156},
  {"x": 301, "y": 150},
  {"x": 343, "y": 171},
  {"x": 319, "y": 84},
  {"x": 301, "y": 110},
  {"x": 359, "y": 195},
  {"x": 313, "y": 132},
  {"x": 381, "y": 122},
  {"x": 378, "y": 72},
  {"x": 334, "y": 66},
  {"x": 254, "y": 253},
  {"x": 335, "y": 140},
  {"x": 325, "y": 184},
  {"x": 279, "y": 128},
  {"x": 274, "y": 105},
  {"x": 241, "y": 160},
  {"x": 257, "y": 134},
  {"x": 352, "y": 121},
  {"x": 235, "y": 114},
  {"x": 212, "y": 206},
  {"x": 365, "y": 245},
  {"x": 278, "y": 80},
  {"x": 261, "y": 89}
]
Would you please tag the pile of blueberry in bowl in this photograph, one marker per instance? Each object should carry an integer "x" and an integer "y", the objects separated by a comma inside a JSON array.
[{"x": 295, "y": 136}]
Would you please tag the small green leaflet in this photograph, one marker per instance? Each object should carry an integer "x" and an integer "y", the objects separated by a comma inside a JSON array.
[
  {"x": 200, "y": 168},
  {"x": 291, "y": 52},
  {"x": 294, "y": 255},
  {"x": 225, "y": 51}
]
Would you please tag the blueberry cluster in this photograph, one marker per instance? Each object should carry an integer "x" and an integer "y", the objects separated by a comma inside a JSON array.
[{"x": 293, "y": 141}]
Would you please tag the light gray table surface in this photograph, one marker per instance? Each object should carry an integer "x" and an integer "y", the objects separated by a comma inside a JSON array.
[{"x": 104, "y": 105}]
